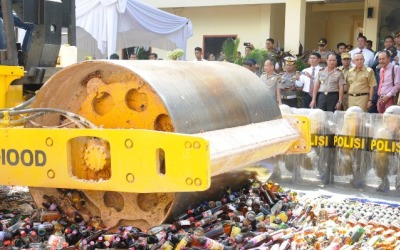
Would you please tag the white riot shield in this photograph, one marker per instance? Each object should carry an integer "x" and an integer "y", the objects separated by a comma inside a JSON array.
[
  {"x": 384, "y": 147},
  {"x": 288, "y": 168},
  {"x": 351, "y": 142},
  {"x": 318, "y": 164}
]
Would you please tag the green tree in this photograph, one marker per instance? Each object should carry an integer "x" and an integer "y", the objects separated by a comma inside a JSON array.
[{"x": 230, "y": 48}]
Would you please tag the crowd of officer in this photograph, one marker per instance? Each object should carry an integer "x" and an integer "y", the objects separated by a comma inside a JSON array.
[
  {"x": 339, "y": 80},
  {"x": 357, "y": 81}
]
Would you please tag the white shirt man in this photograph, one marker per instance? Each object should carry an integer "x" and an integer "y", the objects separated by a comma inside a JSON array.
[
  {"x": 368, "y": 55},
  {"x": 198, "y": 54},
  {"x": 307, "y": 76}
]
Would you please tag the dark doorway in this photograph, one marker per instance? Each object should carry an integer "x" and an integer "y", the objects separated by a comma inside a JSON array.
[
  {"x": 142, "y": 53},
  {"x": 213, "y": 44}
]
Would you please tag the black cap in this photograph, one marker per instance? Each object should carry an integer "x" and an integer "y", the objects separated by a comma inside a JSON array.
[
  {"x": 248, "y": 62},
  {"x": 322, "y": 41}
]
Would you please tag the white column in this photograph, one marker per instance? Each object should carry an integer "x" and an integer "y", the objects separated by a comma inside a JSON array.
[
  {"x": 265, "y": 24},
  {"x": 295, "y": 19},
  {"x": 371, "y": 25}
]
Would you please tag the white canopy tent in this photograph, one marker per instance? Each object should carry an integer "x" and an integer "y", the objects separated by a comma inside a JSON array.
[{"x": 106, "y": 26}]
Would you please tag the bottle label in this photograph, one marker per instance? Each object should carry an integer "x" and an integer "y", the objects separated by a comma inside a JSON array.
[
  {"x": 184, "y": 222},
  {"x": 182, "y": 243},
  {"x": 207, "y": 213},
  {"x": 235, "y": 231}
]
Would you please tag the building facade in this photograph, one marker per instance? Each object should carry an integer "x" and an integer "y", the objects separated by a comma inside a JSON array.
[{"x": 289, "y": 22}]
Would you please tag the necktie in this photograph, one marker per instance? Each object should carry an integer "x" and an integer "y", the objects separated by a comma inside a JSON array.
[
  {"x": 361, "y": 51},
  {"x": 310, "y": 92},
  {"x": 382, "y": 77}
]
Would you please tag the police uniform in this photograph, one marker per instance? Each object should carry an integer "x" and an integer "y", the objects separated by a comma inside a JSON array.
[
  {"x": 345, "y": 100},
  {"x": 345, "y": 72},
  {"x": 328, "y": 92},
  {"x": 286, "y": 83},
  {"x": 359, "y": 83},
  {"x": 272, "y": 55},
  {"x": 324, "y": 55},
  {"x": 271, "y": 81}
]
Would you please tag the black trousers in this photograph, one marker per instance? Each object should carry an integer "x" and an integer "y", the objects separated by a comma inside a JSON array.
[
  {"x": 306, "y": 100},
  {"x": 290, "y": 102},
  {"x": 327, "y": 102}
]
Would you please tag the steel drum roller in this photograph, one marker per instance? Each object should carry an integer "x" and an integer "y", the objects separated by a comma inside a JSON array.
[{"x": 173, "y": 96}]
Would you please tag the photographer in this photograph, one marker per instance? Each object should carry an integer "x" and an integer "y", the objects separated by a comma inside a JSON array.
[{"x": 248, "y": 48}]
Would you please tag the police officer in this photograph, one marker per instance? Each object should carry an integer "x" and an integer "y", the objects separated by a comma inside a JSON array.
[
  {"x": 346, "y": 66},
  {"x": 361, "y": 82},
  {"x": 323, "y": 51},
  {"x": 271, "y": 79},
  {"x": 328, "y": 87},
  {"x": 287, "y": 83}
]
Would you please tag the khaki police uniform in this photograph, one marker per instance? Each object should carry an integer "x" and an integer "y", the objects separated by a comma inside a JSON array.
[
  {"x": 345, "y": 101},
  {"x": 271, "y": 81},
  {"x": 324, "y": 55},
  {"x": 271, "y": 55},
  {"x": 286, "y": 83},
  {"x": 328, "y": 92},
  {"x": 359, "y": 83}
]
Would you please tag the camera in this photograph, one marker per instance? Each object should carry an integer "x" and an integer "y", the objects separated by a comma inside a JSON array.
[{"x": 246, "y": 44}]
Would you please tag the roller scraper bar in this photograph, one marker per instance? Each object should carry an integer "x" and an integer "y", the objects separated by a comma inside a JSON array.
[{"x": 133, "y": 160}]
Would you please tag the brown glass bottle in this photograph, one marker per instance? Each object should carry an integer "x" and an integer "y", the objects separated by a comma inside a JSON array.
[{"x": 266, "y": 197}]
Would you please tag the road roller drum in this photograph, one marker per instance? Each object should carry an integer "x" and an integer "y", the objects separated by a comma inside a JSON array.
[{"x": 221, "y": 102}]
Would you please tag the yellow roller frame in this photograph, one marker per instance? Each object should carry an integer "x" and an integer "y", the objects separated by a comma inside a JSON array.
[
  {"x": 136, "y": 165},
  {"x": 303, "y": 125},
  {"x": 10, "y": 95}
]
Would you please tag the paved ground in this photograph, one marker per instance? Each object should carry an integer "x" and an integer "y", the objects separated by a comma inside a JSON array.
[{"x": 343, "y": 190}]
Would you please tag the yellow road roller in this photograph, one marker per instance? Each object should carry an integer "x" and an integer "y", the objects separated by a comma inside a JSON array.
[{"x": 138, "y": 141}]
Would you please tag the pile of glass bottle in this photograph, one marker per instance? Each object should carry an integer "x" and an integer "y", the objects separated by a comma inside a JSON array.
[{"x": 257, "y": 216}]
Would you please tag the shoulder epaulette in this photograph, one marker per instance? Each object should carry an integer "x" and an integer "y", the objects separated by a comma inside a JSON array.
[
  {"x": 352, "y": 69},
  {"x": 369, "y": 69}
]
